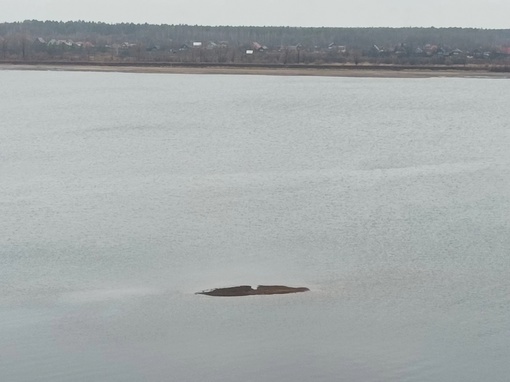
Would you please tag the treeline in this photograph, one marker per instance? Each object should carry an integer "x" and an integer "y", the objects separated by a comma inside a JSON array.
[
  {"x": 363, "y": 38},
  {"x": 83, "y": 40}
]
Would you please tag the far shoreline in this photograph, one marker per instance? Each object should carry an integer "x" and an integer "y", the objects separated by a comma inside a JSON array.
[{"x": 367, "y": 71}]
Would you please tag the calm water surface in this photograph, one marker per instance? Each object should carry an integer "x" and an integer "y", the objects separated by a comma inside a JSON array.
[{"x": 123, "y": 194}]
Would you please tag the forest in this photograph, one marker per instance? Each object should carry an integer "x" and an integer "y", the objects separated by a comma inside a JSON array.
[{"x": 34, "y": 40}]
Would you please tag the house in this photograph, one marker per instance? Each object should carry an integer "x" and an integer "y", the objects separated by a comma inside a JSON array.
[
  {"x": 505, "y": 50},
  {"x": 258, "y": 47},
  {"x": 441, "y": 52},
  {"x": 401, "y": 50},
  {"x": 477, "y": 53},
  {"x": 65, "y": 43},
  {"x": 374, "y": 50},
  {"x": 340, "y": 48},
  {"x": 430, "y": 49}
]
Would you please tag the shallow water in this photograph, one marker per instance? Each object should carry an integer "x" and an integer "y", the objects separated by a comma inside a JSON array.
[{"x": 122, "y": 195}]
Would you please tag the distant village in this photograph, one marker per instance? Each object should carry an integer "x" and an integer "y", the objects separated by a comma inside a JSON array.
[
  {"x": 225, "y": 52},
  {"x": 100, "y": 42}
]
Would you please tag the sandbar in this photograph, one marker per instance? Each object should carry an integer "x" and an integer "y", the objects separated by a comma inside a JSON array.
[{"x": 247, "y": 290}]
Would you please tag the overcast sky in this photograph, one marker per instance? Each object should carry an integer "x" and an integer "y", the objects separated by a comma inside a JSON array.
[{"x": 353, "y": 13}]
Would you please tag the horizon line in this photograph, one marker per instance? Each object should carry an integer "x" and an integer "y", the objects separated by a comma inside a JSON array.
[{"x": 255, "y": 26}]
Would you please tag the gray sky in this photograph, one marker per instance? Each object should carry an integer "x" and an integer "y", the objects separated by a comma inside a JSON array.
[{"x": 392, "y": 13}]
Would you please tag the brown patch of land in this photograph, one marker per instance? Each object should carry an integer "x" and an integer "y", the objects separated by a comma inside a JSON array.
[
  {"x": 381, "y": 71},
  {"x": 247, "y": 290}
]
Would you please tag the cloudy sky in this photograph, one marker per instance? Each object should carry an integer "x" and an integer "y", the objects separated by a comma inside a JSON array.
[{"x": 352, "y": 13}]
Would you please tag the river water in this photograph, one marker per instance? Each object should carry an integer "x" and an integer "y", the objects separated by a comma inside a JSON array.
[{"x": 121, "y": 195}]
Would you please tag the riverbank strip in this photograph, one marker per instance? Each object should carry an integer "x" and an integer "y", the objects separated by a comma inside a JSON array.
[{"x": 383, "y": 71}]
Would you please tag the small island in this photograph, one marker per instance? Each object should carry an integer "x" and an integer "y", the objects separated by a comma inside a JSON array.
[{"x": 247, "y": 290}]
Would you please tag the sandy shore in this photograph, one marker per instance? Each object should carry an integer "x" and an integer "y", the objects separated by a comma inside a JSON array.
[{"x": 382, "y": 72}]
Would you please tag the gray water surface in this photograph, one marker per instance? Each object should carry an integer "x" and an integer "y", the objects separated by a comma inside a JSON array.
[{"x": 121, "y": 195}]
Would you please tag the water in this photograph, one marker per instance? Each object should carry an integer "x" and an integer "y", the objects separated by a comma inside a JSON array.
[{"x": 123, "y": 194}]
